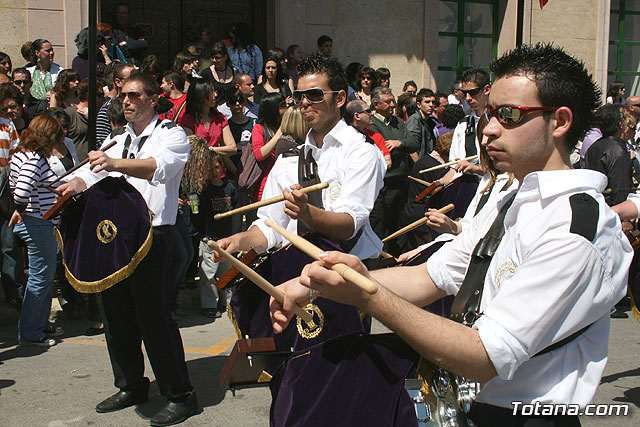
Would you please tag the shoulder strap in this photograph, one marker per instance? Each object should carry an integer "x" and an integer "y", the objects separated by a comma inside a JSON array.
[
  {"x": 470, "y": 137},
  {"x": 307, "y": 176},
  {"x": 127, "y": 142}
]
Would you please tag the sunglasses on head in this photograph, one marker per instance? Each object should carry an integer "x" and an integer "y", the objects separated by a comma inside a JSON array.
[
  {"x": 314, "y": 95},
  {"x": 132, "y": 95},
  {"x": 472, "y": 92},
  {"x": 513, "y": 114}
]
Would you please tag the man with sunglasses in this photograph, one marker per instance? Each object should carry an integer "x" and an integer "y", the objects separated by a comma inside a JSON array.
[
  {"x": 150, "y": 153},
  {"x": 22, "y": 79},
  {"x": 539, "y": 331},
  {"x": 353, "y": 168},
  {"x": 358, "y": 113},
  {"x": 476, "y": 88},
  {"x": 633, "y": 103}
]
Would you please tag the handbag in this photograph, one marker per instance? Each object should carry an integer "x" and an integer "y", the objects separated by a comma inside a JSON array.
[{"x": 7, "y": 205}]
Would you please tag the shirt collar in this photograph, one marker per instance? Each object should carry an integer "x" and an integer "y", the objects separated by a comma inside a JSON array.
[
  {"x": 382, "y": 118},
  {"x": 147, "y": 130},
  {"x": 550, "y": 184},
  {"x": 335, "y": 136}
]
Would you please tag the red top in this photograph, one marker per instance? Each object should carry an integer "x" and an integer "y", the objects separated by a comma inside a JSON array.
[
  {"x": 213, "y": 135},
  {"x": 179, "y": 105},
  {"x": 257, "y": 142},
  {"x": 379, "y": 140}
]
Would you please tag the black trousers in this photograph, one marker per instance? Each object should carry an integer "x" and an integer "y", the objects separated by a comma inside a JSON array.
[
  {"x": 137, "y": 310},
  {"x": 385, "y": 215},
  {"x": 484, "y": 415}
]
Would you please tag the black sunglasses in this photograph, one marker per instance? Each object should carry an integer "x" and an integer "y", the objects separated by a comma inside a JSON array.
[
  {"x": 472, "y": 92},
  {"x": 132, "y": 95}
]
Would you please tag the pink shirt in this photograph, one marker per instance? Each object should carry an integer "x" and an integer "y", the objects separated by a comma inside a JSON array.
[{"x": 213, "y": 135}]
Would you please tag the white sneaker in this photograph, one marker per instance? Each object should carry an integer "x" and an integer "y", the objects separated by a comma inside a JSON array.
[{"x": 44, "y": 342}]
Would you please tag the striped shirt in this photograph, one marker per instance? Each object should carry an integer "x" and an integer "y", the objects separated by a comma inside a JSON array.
[
  {"x": 28, "y": 171},
  {"x": 8, "y": 141},
  {"x": 103, "y": 126}
]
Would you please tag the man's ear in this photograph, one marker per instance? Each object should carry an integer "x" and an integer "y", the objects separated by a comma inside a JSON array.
[
  {"x": 341, "y": 98},
  {"x": 154, "y": 99},
  {"x": 562, "y": 121},
  {"x": 487, "y": 89}
]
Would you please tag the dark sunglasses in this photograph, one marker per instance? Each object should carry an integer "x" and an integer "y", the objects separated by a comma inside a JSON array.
[
  {"x": 368, "y": 111},
  {"x": 472, "y": 92},
  {"x": 132, "y": 95},
  {"x": 21, "y": 82},
  {"x": 314, "y": 95},
  {"x": 217, "y": 57},
  {"x": 512, "y": 114},
  {"x": 366, "y": 78}
]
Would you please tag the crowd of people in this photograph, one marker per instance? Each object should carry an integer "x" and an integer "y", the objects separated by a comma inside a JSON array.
[{"x": 254, "y": 126}]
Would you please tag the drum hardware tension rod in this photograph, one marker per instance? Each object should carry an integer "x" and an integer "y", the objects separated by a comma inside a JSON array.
[
  {"x": 416, "y": 224},
  {"x": 267, "y": 202},
  {"x": 314, "y": 252},
  {"x": 444, "y": 165}
]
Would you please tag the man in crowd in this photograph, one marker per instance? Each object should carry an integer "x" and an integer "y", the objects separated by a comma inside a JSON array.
[
  {"x": 633, "y": 103},
  {"x": 436, "y": 116},
  {"x": 354, "y": 168},
  {"x": 358, "y": 113},
  {"x": 421, "y": 125},
  {"x": 476, "y": 88},
  {"x": 457, "y": 96},
  {"x": 22, "y": 79},
  {"x": 173, "y": 89},
  {"x": 130, "y": 36},
  {"x": 563, "y": 257},
  {"x": 325, "y": 46},
  {"x": 136, "y": 309},
  {"x": 385, "y": 217},
  {"x": 115, "y": 80},
  {"x": 244, "y": 83}
]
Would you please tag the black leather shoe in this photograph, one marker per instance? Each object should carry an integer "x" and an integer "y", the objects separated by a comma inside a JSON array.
[
  {"x": 175, "y": 413},
  {"x": 120, "y": 400}
]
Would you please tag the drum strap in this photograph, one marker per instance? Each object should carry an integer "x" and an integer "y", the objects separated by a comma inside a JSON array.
[
  {"x": 485, "y": 196},
  {"x": 127, "y": 142},
  {"x": 470, "y": 137}
]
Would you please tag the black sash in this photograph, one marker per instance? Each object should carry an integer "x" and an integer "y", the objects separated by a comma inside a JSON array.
[
  {"x": 127, "y": 142},
  {"x": 470, "y": 137}
]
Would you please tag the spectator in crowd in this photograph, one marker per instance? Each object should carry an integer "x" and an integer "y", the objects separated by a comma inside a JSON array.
[
  {"x": 245, "y": 55},
  {"x": 451, "y": 115},
  {"x": 115, "y": 78},
  {"x": 266, "y": 133},
  {"x": 173, "y": 89},
  {"x": 27, "y": 54},
  {"x": 406, "y": 106},
  {"x": 384, "y": 77},
  {"x": 440, "y": 104},
  {"x": 5, "y": 64},
  {"x": 615, "y": 93},
  {"x": 45, "y": 73},
  {"x": 353, "y": 71},
  {"x": 78, "y": 120},
  {"x": 130, "y": 37},
  {"x": 22, "y": 79},
  {"x": 274, "y": 81},
  {"x": 81, "y": 62},
  {"x": 367, "y": 84},
  {"x": 65, "y": 92},
  {"x": 295, "y": 55},
  {"x": 457, "y": 96},
  {"x": 410, "y": 87},
  {"x": 203, "y": 119},
  {"x": 204, "y": 34},
  {"x": 151, "y": 66},
  {"x": 10, "y": 104},
  {"x": 244, "y": 84},
  {"x": 325, "y": 46},
  {"x": 294, "y": 131},
  {"x": 115, "y": 52},
  {"x": 240, "y": 123},
  {"x": 183, "y": 64},
  {"x": 421, "y": 124},
  {"x": 115, "y": 114},
  {"x": 358, "y": 113},
  {"x": 63, "y": 154},
  {"x": 221, "y": 71},
  {"x": 29, "y": 172}
]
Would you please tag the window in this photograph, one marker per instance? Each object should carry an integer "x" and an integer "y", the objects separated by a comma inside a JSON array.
[
  {"x": 468, "y": 38},
  {"x": 624, "y": 49}
]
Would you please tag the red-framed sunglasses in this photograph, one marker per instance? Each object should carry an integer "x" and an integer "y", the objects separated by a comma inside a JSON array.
[{"x": 512, "y": 114}]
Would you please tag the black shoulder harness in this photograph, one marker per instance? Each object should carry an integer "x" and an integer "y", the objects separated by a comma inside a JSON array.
[
  {"x": 117, "y": 131},
  {"x": 584, "y": 215},
  {"x": 168, "y": 125}
]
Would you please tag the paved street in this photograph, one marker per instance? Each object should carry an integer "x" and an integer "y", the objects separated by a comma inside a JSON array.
[{"x": 59, "y": 387}]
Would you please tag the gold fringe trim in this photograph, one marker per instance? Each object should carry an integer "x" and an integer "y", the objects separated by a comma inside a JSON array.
[
  {"x": 232, "y": 317},
  {"x": 112, "y": 279},
  {"x": 634, "y": 307},
  {"x": 425, "y": 373}
]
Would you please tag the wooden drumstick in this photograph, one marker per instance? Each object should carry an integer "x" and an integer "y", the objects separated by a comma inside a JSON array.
[
  {"x": 314, "y": 252},
  {"x": 416, "y": 224},
  {"x": 260, "y": 281},
  {"x": 420, "y": 181},
  {"x": 444, "y": 165},
  {"x": 270, "y": 201}
]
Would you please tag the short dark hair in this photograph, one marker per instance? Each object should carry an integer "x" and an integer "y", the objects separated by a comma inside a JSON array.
[
  {"x": 368, "y": 71},
  {"x": 10, "y": 91},
  {"x": 440, "y": 95},
  {"x": 318, "y": 64},
  {"x": 409, "y": 83},
  {"x": 382, "y": 73},
  {"x": 608, "y": 118},
  {"x": 59, "y": 114},
  {"x": 477, "y": 76},
  {"x": 22, "y": 71},
  {"x": 451, "y": 115},
  {"x": 353, "y": 107},
  {"x": 118, "y": 70},
  {"x": 176, "y": 79},
  {"x": 455, "y": 86},
  {"x": 408, "y": 101},
  {"x": 424, "y": 93},
  {"x": 323, "y": 39},
  {"x": 149, "y": 85},
  {"x": 237, "y": 79},
  {"x": 115, "y": 113},
  {"x": 234, "y": 95},
  {"x": 561, "y": 80}
]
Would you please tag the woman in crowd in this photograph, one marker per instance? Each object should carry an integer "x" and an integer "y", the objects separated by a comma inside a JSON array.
[
  {"x": 203, "y": 119},
  {"x": 367, "y": 83},
  {"x": 274, "y": 80},
  {"x": 151, "y": 66},
  {"x": 29, "y": 172},
  {"x": 204, "y": 34},
  {"x": 221, "y": 71},
  {"x": 294, "y": 130},
  {"x": 183, "y": 63},
  {"x": 266, "y": 133},
  {"x": 65, "y": 92},
  {"x": 79, "y": 120},
  {"x": 5, "y": 64},
  {"x": 245, "y": 55},
  {"x": 295, "y": 55},
  {"x": 616, "y": 92},
  {"x": 45, "y": 73},
  {"x": 384, "y": 77},
  {"x": 63, "y": 154}
]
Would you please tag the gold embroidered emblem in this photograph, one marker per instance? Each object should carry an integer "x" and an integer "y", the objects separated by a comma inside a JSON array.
[
  {"x": 334, "y": 190},
  {"x": 106, "y": 231},
  {"x": 508, "y": 268}
]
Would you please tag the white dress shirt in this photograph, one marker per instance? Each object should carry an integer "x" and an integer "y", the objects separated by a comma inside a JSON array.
[
  {"x": 355, "y": 172},
  {"x": 457, "y": 150},
  {"x": 167, "y": 144},
  {"x": 543, "y": 284}
]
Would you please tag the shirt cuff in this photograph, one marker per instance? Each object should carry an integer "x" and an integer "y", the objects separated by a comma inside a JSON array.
[
  {"x": 504, "y": 350},
  {"x": 440, "y": 276},
  {"x": 273, "y": 238}
]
